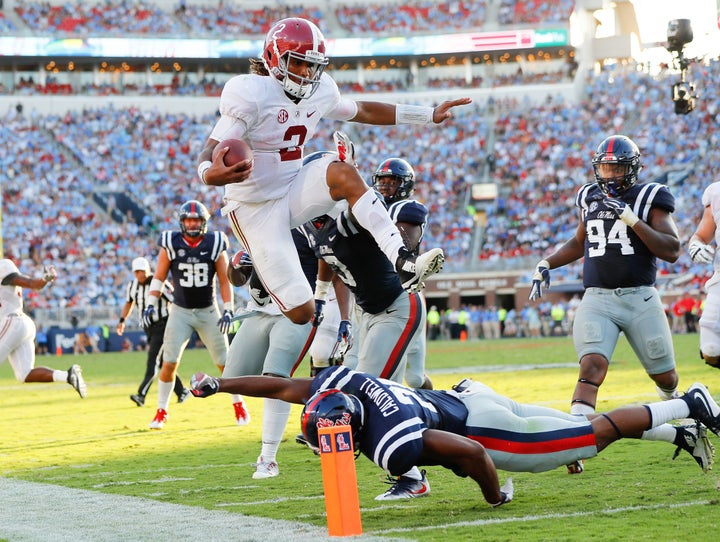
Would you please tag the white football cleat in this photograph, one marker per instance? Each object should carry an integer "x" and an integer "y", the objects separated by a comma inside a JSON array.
[
  {"x": 413, "y": 270},
  {"x": 265, "y": 469}
]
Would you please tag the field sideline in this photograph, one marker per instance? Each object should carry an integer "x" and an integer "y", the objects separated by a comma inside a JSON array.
[{"x": 196, "y": 473}]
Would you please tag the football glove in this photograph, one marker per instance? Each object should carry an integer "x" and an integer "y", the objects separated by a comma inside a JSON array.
[
  {"x": 540, "y": 279},
  {"x": 318, "y": 316},
  {"x": 343, "y": 344},
  {"x": 202, "y": 385},
  {"x": 345, "y": 148},
  {"x": 241, "y": 258},
  {"x": 49, "y": 273},
  {"x": 225, "y": 321},
  {"x": 147, "y": 315},
  {"x": 700, "y": 252},
  {"x": 622, "y": 210},
  {"x": 507, "y": 490}
]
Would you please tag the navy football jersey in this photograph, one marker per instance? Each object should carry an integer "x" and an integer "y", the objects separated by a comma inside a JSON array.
[
  {"x": 615, "y": 257},
  {"x": 410, "y": 212},
  {"x": 395, "y": 416},
  {"x": 193, "y": 267},
  {"x": 354, "y": 255}
]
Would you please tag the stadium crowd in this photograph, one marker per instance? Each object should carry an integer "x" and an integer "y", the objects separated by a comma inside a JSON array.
[
  {"x": 142, "y": 17},
  {"x": 537, "y": 152},
  {"x": 541, "y": 153}
]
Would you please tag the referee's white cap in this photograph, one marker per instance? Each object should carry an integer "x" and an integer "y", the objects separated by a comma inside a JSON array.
[{"x": 141, "y": 264}]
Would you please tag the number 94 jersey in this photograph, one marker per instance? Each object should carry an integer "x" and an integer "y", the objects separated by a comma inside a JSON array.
[
  {"x": 193, "y": 267},
  {"x": 615, "y": 257}
]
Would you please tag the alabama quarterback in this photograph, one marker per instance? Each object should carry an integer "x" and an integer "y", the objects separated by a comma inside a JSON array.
[{"x": 276, "y": 109}]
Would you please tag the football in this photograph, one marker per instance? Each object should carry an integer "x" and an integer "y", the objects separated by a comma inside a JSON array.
[
  {"x": 239, "y": 268},
  {"x": 238, "y": 151}
]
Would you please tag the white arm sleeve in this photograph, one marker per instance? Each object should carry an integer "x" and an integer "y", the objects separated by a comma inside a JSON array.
[
  {"x": 228, "y": 128},
  {"x": 346, "y": 109}
]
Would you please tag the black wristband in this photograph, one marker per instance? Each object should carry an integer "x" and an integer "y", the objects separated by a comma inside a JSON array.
[{"x": 122, "y": 320}]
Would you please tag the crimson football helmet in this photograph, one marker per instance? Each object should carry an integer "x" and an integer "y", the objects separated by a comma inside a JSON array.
[
  {"x": 394, "y": 173},
  {"x": 329, "y": 408},
  {"x": 301, "y": 40},
  {"x": 193, "y": 209},
  {"x": 617, "y": 149}
]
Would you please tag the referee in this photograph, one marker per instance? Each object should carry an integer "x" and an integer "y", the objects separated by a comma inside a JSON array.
[{"x": 136, "y": 292}]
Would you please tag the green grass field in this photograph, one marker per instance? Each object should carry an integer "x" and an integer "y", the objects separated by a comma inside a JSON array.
[{"x": 632, "y": 491}]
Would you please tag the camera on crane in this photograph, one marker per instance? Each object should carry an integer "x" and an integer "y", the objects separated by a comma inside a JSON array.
[{"x": 679, "y": 34}]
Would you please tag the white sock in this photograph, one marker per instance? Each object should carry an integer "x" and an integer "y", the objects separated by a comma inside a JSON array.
[
  {"x": 665, "y": 411},
  {"x": 275, "y": 417},
  {"x": 371, "y": 214},
  {"x": 164, "y": 391},
  {"x": 236, "y": 398},
  {"x": 581, "y": 408},
  {"x": 664, "y": 432},
  {"x": 60, "y": 376},
  {"x": 414, "y": 473}
]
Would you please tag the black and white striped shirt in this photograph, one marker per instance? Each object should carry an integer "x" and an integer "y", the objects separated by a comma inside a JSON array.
[{"x": 137, "y": 293}]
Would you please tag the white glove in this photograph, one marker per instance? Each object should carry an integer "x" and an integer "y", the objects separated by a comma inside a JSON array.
[
  {"x": 540, "y": 279},
  {"x": 343, "y": 344},
  {"x": 345, "y": 148},
  {"x": 700, "y": 252},
  {"x": 622, "y": 210},
  {"x": 49, "y": 273}
]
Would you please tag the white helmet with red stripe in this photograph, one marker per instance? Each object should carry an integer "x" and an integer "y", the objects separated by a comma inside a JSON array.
[{"x": 298, "y": 39}]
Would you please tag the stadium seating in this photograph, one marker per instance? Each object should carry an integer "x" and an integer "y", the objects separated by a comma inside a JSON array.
[{"x": 536, "y": 151}]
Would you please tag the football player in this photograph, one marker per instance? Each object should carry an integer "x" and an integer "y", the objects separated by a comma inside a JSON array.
[
  {"x": 135, "y": 295},
  {"x": 702, "y": 252},
  {"x": 388, "y": 318},
  {"x": 193, "y": 257},
  {"x": 17, "y": 330},
  {"x": 276, "y": 109},
  {"x": 394, "y": 178},
  {"x": 270, "y": 344},
  {"x": 470, "y": 429},
  {"x": 624, "y": 226}
]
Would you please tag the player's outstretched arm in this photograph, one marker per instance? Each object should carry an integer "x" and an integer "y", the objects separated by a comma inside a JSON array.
[
  {"x": 290, "y": 390},
  {"x": 380, "y": 113}
]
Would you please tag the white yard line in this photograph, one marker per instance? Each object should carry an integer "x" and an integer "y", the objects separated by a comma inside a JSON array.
[{"x": 37, "y": 512}]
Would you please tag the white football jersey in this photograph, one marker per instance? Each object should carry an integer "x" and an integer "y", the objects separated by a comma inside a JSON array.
[
  {"x": 255, "y": 108},
  {"x": 711, "y": 197},
  {"x": 10, "y": 296}
]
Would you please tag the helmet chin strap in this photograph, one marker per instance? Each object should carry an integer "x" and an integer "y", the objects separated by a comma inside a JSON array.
[{"x": 296, "y": 90}]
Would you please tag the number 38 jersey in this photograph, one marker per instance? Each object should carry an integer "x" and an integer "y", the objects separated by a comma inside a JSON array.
[
  {"x": 615, "y": 257},
  {"x": 193, "y": 267}
]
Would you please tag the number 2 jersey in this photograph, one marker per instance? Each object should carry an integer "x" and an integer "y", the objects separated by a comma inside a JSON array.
[
  {"x": 395, "y": 416},
  {"x": 255, "y": 108},
  {"x": 615, "y": 257},
  {"x": 193, "y": 267}
]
